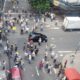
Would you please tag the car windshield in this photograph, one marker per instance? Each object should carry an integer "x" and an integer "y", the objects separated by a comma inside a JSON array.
[{"x": 33, "y": 35}]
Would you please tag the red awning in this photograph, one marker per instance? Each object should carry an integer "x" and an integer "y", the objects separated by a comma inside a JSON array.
[
  {"x": 72, "y": 74},
  {"x": 15, "y": 72}
]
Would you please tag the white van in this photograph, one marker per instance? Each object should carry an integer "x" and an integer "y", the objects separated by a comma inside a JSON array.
[{"x": 71, "y": 23}]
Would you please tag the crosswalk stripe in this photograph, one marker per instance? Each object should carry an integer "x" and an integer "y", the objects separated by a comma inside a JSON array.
[
  {"x": 55, "y": 28},
  {"x": 68, "y": 51}
]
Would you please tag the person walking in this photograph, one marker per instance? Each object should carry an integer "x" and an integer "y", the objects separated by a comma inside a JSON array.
[
  {"x": 11, "y": 47},
  {"x": 15, "y": 48},
  {"x": 52, "y": 54},
  {"x": 5, "y": 48},
  {"x": 36, "y": 51},
  {"x": 46, "y": 56},
  {"x": 33, "y": 55},
  {"x": 41, "y": 27},
  {"x": 46, "y": 64},
  {"x": 30, "y": 58},
  {"x": 49, "y": 69},
  {"x": 24, "y": 47},
  {"x": 39, "y": 41},
  {"x": 40, "y": 65},
  {"x": 4, "y": 64},
  {"x": 21, "y": 63}
]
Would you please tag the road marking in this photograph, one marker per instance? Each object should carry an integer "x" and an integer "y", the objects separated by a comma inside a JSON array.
[
  {"x": 64, "y": 51},
  {"x": 68, "y": 51},
  {"x": 53, "y": 45},
  {"x": 55, "y": 28},
  {"x": 61, "y": 55},
  {"x": 37, "y": 71}
]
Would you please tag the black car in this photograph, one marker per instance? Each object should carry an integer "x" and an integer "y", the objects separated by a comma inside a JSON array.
[{"x": 34, "y": 36}]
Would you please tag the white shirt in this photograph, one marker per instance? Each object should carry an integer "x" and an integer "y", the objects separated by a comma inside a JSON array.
[
  {"x": 5, "y": 48},
  {"x": 52, "y": 53},
  {"x": 26, "y": 54},
  {"x": 33, "y": 54},
  {"x": 40, "y": 39},
  {"x": 29, "y": 57}
]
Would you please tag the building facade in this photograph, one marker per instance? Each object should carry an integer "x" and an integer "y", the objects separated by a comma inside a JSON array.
[{"x": 67, "y": 4}]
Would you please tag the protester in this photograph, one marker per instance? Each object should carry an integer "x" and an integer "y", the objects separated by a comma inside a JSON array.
[
  {"x": 16, "y": 48},
  {"x": 36, "y": 51},
  {"x": 52, "y": 54},
  {"x": 24, "y": 47},
  {"x": 4, "y": 64},
  {"x": 49, "y": 69},
  {"x": 46, "y": 56},
  {"x": 39, "y": 41},
  {"x": 40, "y": 65},
  {"x": 33, "y": 55},
  {"x": 41, "y": 27},
  {"x": 26, "y": 55},
  {"x": 30, "y": 58},
  {"x": 21, "y": 64},
  {"x": 12, "y": 47},
  {"x": 5, "y": 49},
  {"x": 46, "y": 64}
]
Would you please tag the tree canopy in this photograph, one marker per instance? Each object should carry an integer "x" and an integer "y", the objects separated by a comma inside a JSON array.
[{"x": 40, "y": 5}]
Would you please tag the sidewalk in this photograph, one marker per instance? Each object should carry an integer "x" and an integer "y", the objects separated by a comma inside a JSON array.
[
  {"x": 73, "y": 61},
  {"x": 52, "y": 24}
]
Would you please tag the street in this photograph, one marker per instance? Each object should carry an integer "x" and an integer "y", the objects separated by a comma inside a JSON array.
[{"x": 62, "y": 43}]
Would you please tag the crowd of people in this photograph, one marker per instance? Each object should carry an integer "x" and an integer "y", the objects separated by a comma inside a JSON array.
[{"x": 30, "y": 49}]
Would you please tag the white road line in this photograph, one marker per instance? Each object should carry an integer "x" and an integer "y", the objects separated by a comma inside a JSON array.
[
  {"x": 55, "y": 28},
  {"x": 37, "y": 71},
  {"x": 68, "y": 51},
  {"x": 65, "y": 51}
]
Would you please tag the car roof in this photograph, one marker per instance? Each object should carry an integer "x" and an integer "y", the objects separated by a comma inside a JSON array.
[
  {"x": 15, "y": 71},
  {"x": 38, "y": 34}
]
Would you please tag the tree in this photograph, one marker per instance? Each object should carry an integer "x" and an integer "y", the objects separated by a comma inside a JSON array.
[{"x": 40, "y": 5}]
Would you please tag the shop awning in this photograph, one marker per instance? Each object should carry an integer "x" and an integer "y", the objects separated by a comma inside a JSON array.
[
  {"x": 72, "y": 74},
  {"x": 15, "y": 72}
]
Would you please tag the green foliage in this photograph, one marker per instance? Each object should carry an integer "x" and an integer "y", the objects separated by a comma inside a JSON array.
[{"x": 40, "y": 5}]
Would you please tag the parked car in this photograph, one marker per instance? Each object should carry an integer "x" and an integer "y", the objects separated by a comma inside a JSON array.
[
  {"x": 15, "y": 73},
  {"x": 34, "y": 36}
]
